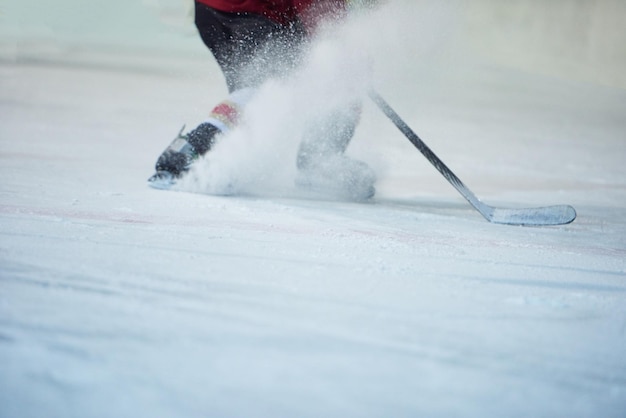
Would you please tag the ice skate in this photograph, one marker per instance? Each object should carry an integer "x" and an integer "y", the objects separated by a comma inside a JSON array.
[
  {"x": 178, "y": 157},
  {"x": 337, "y": 176},
  {"x": 323, "y": 168}
]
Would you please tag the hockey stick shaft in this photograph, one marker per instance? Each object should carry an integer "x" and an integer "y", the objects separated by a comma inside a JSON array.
[
  {"x": 428, "y": 153},
  {"x": 550, "y": 215}
]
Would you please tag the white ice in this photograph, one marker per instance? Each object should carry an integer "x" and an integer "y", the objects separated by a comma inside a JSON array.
[{"x": 117, "y": 300}]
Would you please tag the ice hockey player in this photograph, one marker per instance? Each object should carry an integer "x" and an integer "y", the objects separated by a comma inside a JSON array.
[{"x": 253, "y": 41}]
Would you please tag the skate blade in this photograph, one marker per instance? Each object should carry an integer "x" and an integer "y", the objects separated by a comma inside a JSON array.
[{"x": 162, "y": 180}]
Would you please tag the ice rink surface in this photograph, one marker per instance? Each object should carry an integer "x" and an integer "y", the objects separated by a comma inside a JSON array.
[{"x": 120, "y": 300}]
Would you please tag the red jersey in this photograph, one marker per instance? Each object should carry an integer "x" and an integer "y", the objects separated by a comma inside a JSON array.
[{"x": 281, "y": 11}]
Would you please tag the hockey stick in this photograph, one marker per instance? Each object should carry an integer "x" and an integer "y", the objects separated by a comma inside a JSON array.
[{"x": 549, "y": 215}]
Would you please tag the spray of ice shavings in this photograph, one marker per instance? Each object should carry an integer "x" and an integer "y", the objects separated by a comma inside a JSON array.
[
  {"x": 252, "y": 158},
  {"x": 259, "y": 156}
]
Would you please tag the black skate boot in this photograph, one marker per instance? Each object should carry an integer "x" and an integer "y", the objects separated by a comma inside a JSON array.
[{"x": 178, "y": 157}]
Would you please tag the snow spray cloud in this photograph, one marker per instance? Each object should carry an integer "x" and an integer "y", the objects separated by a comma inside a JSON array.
[{"x": 259, "y": 156}]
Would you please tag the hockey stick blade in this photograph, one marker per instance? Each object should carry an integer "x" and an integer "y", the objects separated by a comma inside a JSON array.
[{"x": 543, "y": 216}]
